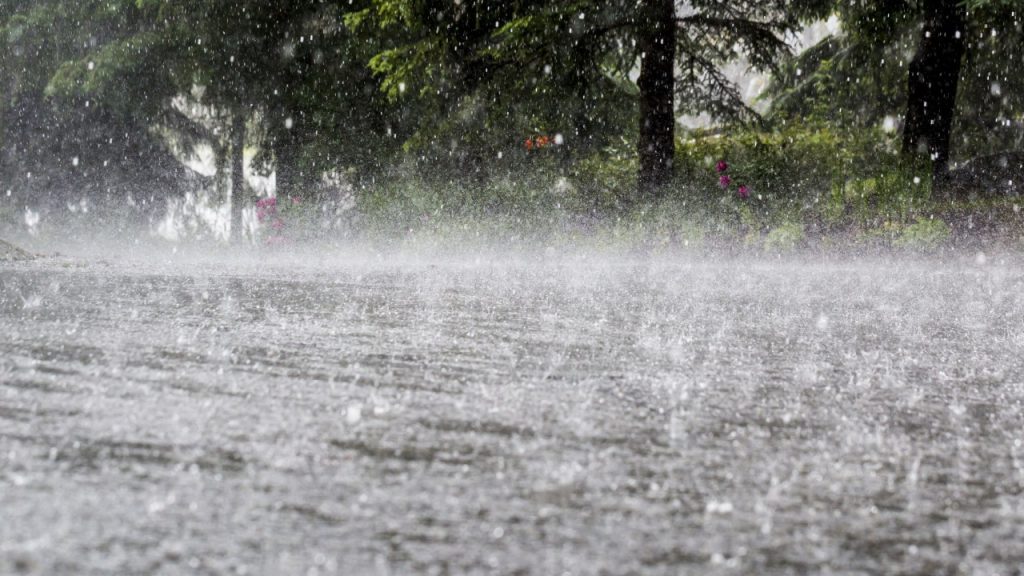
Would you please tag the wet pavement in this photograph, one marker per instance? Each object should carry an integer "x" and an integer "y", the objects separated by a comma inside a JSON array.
[{"x": 528, "y": 415}]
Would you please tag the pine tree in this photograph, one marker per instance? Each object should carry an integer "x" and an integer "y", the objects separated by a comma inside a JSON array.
[
  {"x": 959, "y": 89},
  {"x": 449, "y": 52}
]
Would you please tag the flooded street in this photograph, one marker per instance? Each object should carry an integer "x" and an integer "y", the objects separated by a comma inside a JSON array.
[{"x": 548, "y": 415}]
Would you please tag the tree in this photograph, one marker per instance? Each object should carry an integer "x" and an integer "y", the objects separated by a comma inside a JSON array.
[
  {"x": 298, "y": 74},
  {"x": 932, "y": 81},
  {"x": 862, "y": 77},
  {"x": 288, "y": 78},
  {"x": 237, "y": 172},
  {"x": 477, "y": 45},
  {"x": 55, "y": 131},
  {"x": 656, "y": 144}
]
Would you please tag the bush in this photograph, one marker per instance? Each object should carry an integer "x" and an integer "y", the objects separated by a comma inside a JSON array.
[
  {"x": 785, "y": 238},
  {"x": 782, "y": 168},
  {"x": 894, "y": 194},
  {"x": 804, "y": 173},
  {"x": 925, "y": 233},
  {"x": 605, "y": 183}
]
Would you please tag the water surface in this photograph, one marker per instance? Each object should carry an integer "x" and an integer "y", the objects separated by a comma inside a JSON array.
[{"x": 516, "y": 415}]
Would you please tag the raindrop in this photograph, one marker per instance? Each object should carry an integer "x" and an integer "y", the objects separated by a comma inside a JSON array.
[
  {"x": 31, "y": 220},
  {"x": 354, "y": 414},
  {"x": 716, "y": 507},
  {"x": 822, "y": 322}
]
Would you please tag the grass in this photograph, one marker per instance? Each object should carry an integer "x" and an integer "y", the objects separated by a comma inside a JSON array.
[
  {"x": 553, "y": 211},
  {"x": 590, "y": 204}
]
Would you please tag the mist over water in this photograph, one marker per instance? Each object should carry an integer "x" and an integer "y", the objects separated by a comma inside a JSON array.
[
  {"x": 173, "y": 408},
  {"x": 601, "y": 287}
]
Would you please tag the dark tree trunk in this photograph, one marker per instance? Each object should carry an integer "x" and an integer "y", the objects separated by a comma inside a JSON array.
[
  {"x": 222, "y": 175},
  {"x": 581, "y": 140},
  {"x": 284, "y": 156},
  {"x": 285, "y": 146},
  {"x": 932, "y": 84},
  {"x": 656, "y": 146},
  {"x": 237, "y": 175},
  {"x": 3, "y": 133}
]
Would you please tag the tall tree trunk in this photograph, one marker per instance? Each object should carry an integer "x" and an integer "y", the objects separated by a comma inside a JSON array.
[
  {"x": 221, "y": 176},
  {"x": 656, "y": 147},
  {"x": 285, "y": 146},
  {"x": 284, "y": 166},
  {"x": 932, "y": 84},
  {"x": 4, "y": 120},
  {"x": 581, "y": 140},
  {"x": 237, "y": 175}
]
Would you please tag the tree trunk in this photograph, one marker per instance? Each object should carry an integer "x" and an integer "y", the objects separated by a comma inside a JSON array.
[
  {"x": 656, "y": 147},
  {"x": 237, "y": 175},
  {"x": 3, "y": 133},
  {"x": 932, "y": 84},
  {"x": 285, "y": 158},
  {"x": 221, "y": 176},
  {"x": 580, "y": 142}
]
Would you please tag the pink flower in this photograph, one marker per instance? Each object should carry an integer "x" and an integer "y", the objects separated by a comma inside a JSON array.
[
  {"x": 277, "y": 224},
  {"x": 743, "y": 192},
  {"x": 722, "y": 166},
  {"x": 724, "y": 181},
  {"x": 295, "y": 200}
]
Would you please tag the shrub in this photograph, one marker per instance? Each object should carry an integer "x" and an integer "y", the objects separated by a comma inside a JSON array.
[
  {"x": 785, "y": 238},
  {"x": 810, "y": 173},
  {"x": 925, "y": 233}
]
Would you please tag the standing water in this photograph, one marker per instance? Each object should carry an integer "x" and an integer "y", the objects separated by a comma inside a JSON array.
[{"x": 511, "y": 415}]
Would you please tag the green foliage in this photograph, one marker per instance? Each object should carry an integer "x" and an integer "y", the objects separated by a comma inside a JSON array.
[
  {"x": 606, "y": 181},
  {"x": 514, "y": 68},
  {"x": 90, "y": 72},
  {"x": 62, "y": 128},
  {"x": 893, "y": 194},
  {"x": 480, "y": 79},
  {"x": 785, "y": 238},
  {"x": 858, "y": 78},
  {"x": 791, "y": 171},
  {"x": 924, "y": 234},
  {"x": 805, "y": 181},
  {"x": 424, "y": 107},
  {"x": 789, "y": 166}
]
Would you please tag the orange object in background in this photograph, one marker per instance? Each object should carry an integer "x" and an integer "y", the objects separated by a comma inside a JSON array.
[{"x": 538, "y": 142}]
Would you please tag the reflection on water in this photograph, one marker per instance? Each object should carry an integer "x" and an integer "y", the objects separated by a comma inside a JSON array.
[{"x": 526, "y": 417}]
